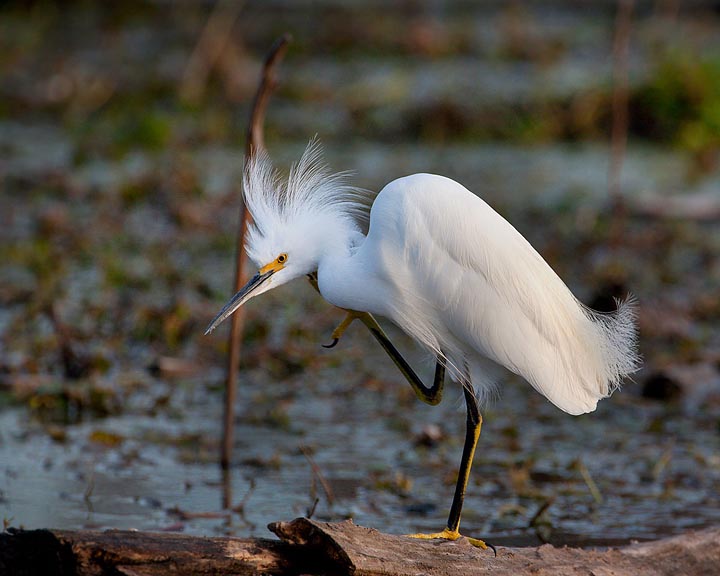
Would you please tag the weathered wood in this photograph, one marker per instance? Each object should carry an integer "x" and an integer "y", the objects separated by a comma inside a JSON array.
[
  {"x": 131, "y": 553},
  {"x": 310, "y": 547},
  {"x": 365, "y": 552}
]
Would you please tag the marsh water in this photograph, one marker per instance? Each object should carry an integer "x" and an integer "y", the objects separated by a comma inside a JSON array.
[{"x": 119, "y": 206}]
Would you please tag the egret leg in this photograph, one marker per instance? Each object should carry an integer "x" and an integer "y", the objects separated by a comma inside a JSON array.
[
  {"x": 340, "y": 328},
  {"x": 429, "y": 394},
  {"x": 472, "y": 434},
  {"x": 432, "y": 396}
]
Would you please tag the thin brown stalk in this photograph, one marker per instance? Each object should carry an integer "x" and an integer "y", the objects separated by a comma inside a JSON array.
[
  {"x": 317, "y": 473},
  {"x": 268, "y": 82},
  {"x": 255, "y": 141},
  {"x": 618, "y": 138},
  {"x": 209, "y": 48},
  {"x": 311, "y": 511},
  {"x": 535, "y": 520},
  {"x": 592, "y": 487}
]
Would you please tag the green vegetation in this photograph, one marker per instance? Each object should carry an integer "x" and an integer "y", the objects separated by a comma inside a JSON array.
[{"x": 680, "y": 104}]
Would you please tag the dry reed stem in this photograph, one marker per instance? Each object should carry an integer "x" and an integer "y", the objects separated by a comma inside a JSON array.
[{"x": 255, "y": 141}]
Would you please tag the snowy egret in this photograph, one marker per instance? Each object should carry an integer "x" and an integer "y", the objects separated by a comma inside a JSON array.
[{"x": 446, "y": 268}]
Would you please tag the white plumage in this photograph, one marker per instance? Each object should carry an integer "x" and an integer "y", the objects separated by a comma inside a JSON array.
[
  {"x": 451, "y": 272},
  {"x": 447, "y": 269},
  {"x": 460, "y": 279}
]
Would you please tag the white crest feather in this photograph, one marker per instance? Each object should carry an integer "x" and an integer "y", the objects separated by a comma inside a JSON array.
[{"x": 311, "y": 188}]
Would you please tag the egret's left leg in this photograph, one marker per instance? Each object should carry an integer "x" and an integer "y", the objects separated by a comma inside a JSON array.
[{"x": 472, "y": 434}]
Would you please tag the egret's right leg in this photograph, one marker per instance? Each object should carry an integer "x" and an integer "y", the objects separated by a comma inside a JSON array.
[
  {"x": 340, "y": 328},
  {"x": 472, "y": 435},
  {"x": 429, "y": 394}
]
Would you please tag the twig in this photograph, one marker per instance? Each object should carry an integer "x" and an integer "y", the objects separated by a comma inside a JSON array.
[
  {"x": 535, "y": 520},
  {"x": 75, "y": 365},
  {"x": 89, "y": 489},
  {"x": 226, "y": 488},
  {"x": 318, "y": 474},
  {"x": 585, "y": 473},
  {"x": 662, "y": 463},
  {"x": 618, "y": 138},
  {"x": 543, "y": 529},
  {"x": 311, "y": 511},
  {"x": 213, "y": 39},
  {"x": 255, "y": 136},
  {"x": 255, "y": 142},
  {"x": 240, "y": 508}
]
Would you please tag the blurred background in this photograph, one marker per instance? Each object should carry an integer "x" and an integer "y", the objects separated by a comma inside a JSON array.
[{"x": 594, "y": 127}]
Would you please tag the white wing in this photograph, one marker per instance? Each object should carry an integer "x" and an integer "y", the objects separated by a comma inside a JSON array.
[{"x": 462, "y": 280}]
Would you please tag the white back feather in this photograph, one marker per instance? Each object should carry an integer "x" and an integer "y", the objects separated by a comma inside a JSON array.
[{"x": 467, "y": 284}]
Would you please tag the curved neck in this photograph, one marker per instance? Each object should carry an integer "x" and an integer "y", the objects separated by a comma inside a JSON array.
[{"x": 342, "y": 274}]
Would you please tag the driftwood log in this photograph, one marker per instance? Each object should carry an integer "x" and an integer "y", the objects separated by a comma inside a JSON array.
[{"x": 311, "y": 547}]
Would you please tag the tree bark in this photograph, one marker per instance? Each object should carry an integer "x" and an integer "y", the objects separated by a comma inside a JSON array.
[{"x": 311, "y": 547}]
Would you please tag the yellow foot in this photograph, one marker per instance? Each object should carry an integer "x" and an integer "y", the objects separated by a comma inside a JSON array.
[
  {"x": 448, "y": 534},
  {"x": 340, "y": 330}
]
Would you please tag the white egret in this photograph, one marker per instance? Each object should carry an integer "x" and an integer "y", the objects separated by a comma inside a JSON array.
[{"x": 447, "y": 269}]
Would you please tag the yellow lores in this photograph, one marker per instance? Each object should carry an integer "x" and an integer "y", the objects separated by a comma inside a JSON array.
[{"x": 275, "y": 265}]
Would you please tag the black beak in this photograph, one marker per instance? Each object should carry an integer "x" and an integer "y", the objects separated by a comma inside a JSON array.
[{"x": 245, "y": 293}]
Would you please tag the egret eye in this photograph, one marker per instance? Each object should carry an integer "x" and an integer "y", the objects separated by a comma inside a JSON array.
[{"x": 282, "y": 258}]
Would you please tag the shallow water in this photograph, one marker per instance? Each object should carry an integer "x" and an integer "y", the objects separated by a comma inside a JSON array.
[{"x": 655, "y": 468}]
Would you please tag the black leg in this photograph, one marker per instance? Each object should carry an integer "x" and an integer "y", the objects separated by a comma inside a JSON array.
[
  {"x": 472, "y": 434},
  {"x": 433, "y": 395},
  {"x": 430, "y": 395}
]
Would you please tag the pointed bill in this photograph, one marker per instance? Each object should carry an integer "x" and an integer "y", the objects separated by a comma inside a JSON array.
[{"x": 246, "y": 292}]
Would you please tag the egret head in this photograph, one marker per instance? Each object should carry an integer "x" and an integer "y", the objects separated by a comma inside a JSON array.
[{"x": 295, "y": 223}]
